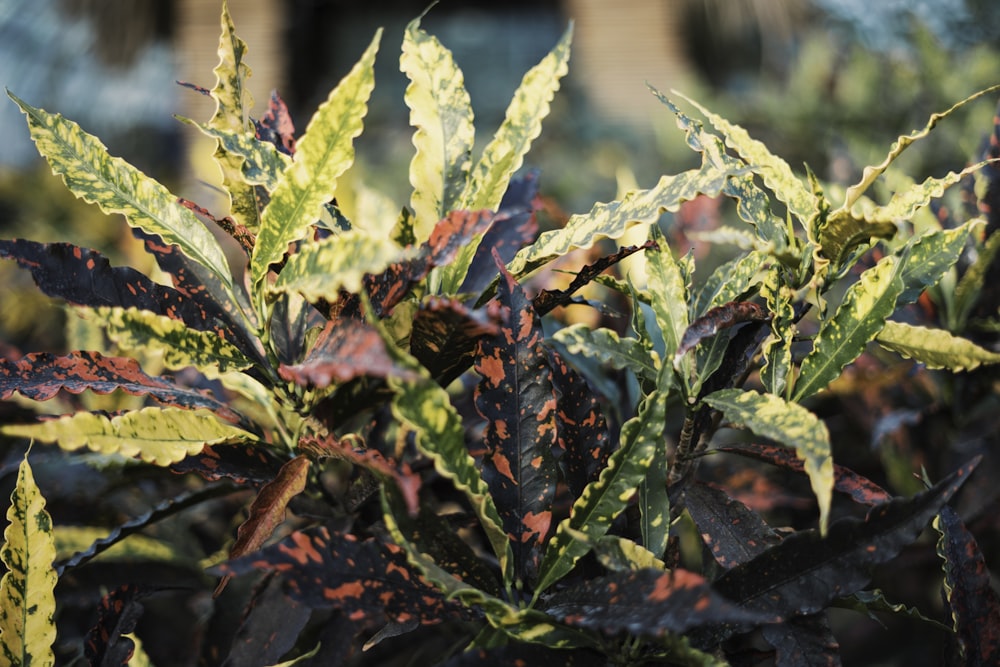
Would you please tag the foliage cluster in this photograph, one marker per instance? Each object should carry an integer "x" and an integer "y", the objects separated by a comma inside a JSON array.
[{"x": 467, "y": 475}]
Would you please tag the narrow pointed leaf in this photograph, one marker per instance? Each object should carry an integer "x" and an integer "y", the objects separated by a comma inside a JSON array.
[
  {"x": 346, "y": 349},
  {"x": 606, "y": 346},
  {"x": 42, "y": 375},
  {"x": 363, "y": 579},
  {"x": 668, "y": 293},
  {"x": 774, "y": 171},
  {"x": 118, "y": 613},
  {"x": 441, "y": 112},
  {"x": 156, "y": 435},
  {"x": 339, "y": 262},
  {"x": 901, "y": 144},
  {"x": 516, "y": 398},
  {"x": 27, "y": 590},
  {"x": 717, "y": 319},
  {"x": 905, "y": 203},
  {"x": 654, "y": 504},
  {"x": 790, "y": 424},
  {"x": 934, "y": 348},
  {"x": 842, "y": 338},
  {"x": 648, "y": 602},
  {"x": 425, "y": 407},
  {"x": 974, "y": 605},
  {"x": 267, "y": 511},
  {"x": 324, "y": 152},
  {"x": 776, "y": 350},
  {"x": 603, "y": 499},
  {"x": 118, "y": 187},
  {"x": 805, "y": 572},
  {"x": 276, "y": 127},
  {"x": 232, "y": 112},
  {"x": 613, "y": 219},
  {"x": 133, "y": 329}
]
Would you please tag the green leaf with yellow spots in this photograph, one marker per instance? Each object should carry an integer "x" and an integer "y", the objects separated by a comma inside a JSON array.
[
  {"x": 926, "y": 259},
  {"x": 620, "y": 554},
  {"x": 775, "y": 172},
  {"x": 115, "y": 186},
  {"x": 232, "y": 112},
  {"x": 603, "y": 499},
  {"x": 339, "y": 262},
  {"x": 261, "y": 163},
  {"x": 27, "y": 590},
  {"x": 441, "y": 112},
  {"x": 668, "y": 294},
  {"x": 424, "y": 407},
  {"x": 611, "y": 220},
  {"x": 140, "y": 330},
  {"x": 160, "y": 436},
  {"x": 322, "y": 155},
  {"x": 842, "y": 338},
  {"x": 605, "y": 346},
  {"x": 842, "y": 231},
  {"x": 904, "y": 204},
  {"x": 934, "y": 348},
  {"x": 901, "y": 144},
  {"x": 777, "y": 348},
  {"x": 521, "y": 126},
  {"x": 787, "y": 423}
]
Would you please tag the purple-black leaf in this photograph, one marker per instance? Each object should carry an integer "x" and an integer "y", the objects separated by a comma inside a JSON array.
[
  {"x": 804, "y": 641},
  {"x": 732, "y": 531},
  {"x": 446, "y": 334}
]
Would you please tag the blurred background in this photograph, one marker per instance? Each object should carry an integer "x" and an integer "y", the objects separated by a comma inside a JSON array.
[{"x": 829, "y": 83}]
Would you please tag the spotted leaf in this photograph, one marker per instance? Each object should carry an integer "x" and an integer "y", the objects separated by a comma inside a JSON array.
[
  {"x": 733, "y": 532},
  {"x": 860, "y": 316},
  {"x": 42, "y": 375},
  {"x": 790, "y": 424},
  {"x": 441, "y": 112},
  {"x": 648, "y": 602},
  {"x": 446, "y": 335},
  {"x": 806, "y": 571},
  {"x": 606, "y": 346},
  {"x": 516, "y": 398},
  {"x": 603, "y": 499},
  {"x": 245, "y": 465},
  {"x": 365, "y": 580},
  {"x": 346, "y": 349},
  {"x": 324, "y": 152},
  {"x": 118, "y": 187},
  {"x": 118, "y": 613},
  {"x": 156, "y": 435},
  {"x": 974, "y": 605},
  {"x": 928, "y": 257},
  {"x": 934, "y": 348},
  {"x": 27, "y": 590}
]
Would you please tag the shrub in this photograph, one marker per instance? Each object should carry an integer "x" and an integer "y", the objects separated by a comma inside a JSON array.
[{"x": 453, "y": 472}]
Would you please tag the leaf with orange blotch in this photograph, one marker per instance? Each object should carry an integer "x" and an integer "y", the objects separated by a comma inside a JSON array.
[
  {"x": 732, "y": 531},
  {"x": 516, "y": 398},
  {"x": 446, "y": 334},
  {"x": 364, "y": 579},
  {"x": 346, "y": 349},
  {"x": 649, "y": 602}
]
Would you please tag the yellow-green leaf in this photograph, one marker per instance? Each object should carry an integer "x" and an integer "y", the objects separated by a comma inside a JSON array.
[
  {"x": 441, "y": 112},
  {"x": 522, "y": 124},
  {"x": 424, "y": 406},
  {"x": 118, "y": 187},
  {"x": 606, "y": 346},
  {"x": 156, "y": 435},
  {"x": 27, "y": 591},
  {"x": 934, "y": 348},
  {"x": 323, "y": 153},
  {"x": 790, "y": 424},
  {"x": 842, "y": 338},
  {"x": 901, "y": 144},
  {"x": 613, "y": 219},
  {"x": 134, "y": 329},
  {"x": 774, "y": 171},
  {"x": 667, "y": 292},
  {"x": 968, "y": 288},
  {"x": 232, "y": 112},
  {"x": 260, "y": 161},
  {"x": 70, "y": 540},
  {"x": 340, "y": 262}
]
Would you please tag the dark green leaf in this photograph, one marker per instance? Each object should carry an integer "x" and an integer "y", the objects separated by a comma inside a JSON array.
[{"x": 733, "y": 532}]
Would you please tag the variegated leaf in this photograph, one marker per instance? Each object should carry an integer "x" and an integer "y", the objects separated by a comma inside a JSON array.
[
  {"x": 667, "y": 292},
  {"x": 324, "y": 152},
  {"x": 934, "y": 348},
  {"x": 613, "y": 219},
  {"x": 321, "y": 270},
  {"x": 441, "y": 112},
  {"x": 901, "y": 144},
  {"x": 777, "y": 349},
  {"x": 260, "y": 162},
  {"x": 728, "y": 282},
  {"x": 842, "y": 231},
  {"x": 606, "y": 346},
  {"x": 133, "y": 329},
  {"x": 774, "y": 171},
  {"x": 842, "y": 338},
  {"x": 603, "y": 499},
  {"x": 904, "y": 204},
  {"x": 790, "y": 424},
  {"x": 118, "y": 187},
  {"x": 156, "y": 435},
  {"x": 969, "y": 287},
  {"x": 928, "y": 257},
  {"x": 27, "y": 590},
  {"x": 424, "y": 406}
]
